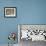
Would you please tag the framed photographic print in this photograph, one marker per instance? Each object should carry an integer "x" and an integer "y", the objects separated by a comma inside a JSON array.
[{"x": 10, "y": 12}]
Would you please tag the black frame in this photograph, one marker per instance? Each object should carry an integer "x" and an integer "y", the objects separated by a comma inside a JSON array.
[{"x": 10, "y": 16}]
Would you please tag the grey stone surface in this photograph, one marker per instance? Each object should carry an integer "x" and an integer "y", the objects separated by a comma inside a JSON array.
[
  {"x": 32, "y": 43},
  {"x": 7, "y": 45}
]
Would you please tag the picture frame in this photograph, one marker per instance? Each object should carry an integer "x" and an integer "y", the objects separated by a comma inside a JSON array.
[{"x": 10, "y": 12}]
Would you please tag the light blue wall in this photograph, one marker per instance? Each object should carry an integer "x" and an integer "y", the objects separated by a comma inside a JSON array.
[{"x": 28, "y": 12}]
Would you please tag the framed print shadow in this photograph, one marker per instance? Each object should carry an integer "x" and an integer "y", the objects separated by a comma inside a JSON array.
[{"x": 10, "y": 12}]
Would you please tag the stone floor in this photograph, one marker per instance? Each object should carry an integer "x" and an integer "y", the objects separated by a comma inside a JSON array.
[
  {"x": 32, "y": 43},
  {"x": 28, "y": 43}
]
